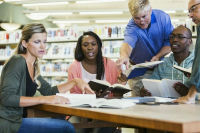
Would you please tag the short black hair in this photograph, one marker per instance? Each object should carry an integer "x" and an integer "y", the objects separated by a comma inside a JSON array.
[{"x": 79, "y": 56}]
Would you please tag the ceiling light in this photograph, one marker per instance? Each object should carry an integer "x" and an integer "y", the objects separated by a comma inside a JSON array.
[
  {"x": 97, "y": 1},
  {"x": 12, "y": 0},
  {"x": 37, "y": 16},
  {"x": 59, "y": 13},
  {"x": 71, "y": 21},
  {"x": 41, "y": 16},
  {"x": 85, "y": 13},
  {"x": 111, "y": 21},
  {"x": 10, "y": 26},
  {"x": 45, "y": 4}
]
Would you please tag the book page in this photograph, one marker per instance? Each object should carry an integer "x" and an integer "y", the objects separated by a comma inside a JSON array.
[
  {"x": 149, "y": 64},
  {"x": 87, "y": 103},
  {"x": 104, "y": 103},
  {"x": 77, "y": 98},
  {"x": 163, "y": 99},
  {"x": 169, "y": 89},
  {"x": 115, "y": 103},
  {"x": 122, "y": 86},
  {"x": 104, "y": 82},
  {"x": 153, "y": 86},
  {"x": 188, "y": 70},
  {"x": 142, "y": 65}
]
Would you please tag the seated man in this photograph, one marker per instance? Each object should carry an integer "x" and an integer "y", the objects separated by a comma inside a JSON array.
[{"x": 180, "y": 41}]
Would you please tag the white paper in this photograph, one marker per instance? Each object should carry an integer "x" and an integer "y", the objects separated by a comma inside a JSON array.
[
  {"x": 161, "y": 88},
  {"x": 76, "y": 98},
  {"x": 142, "y": 65}
]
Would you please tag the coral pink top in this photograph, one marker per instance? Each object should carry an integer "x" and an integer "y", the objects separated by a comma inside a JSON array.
[{"x": 111, "y": 72}]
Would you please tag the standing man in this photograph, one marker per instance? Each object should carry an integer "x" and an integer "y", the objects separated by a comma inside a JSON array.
[
  {"x": 147, "y": 34},
  {"x": 146, "y": 37},
  {"x": 194, "y": 82}
]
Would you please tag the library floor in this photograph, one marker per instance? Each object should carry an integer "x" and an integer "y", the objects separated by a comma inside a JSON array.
[{"x": 128, "y": 130}]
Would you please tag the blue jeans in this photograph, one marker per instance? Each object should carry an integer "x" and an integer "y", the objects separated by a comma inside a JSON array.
[{"x": 45, "y": 125}]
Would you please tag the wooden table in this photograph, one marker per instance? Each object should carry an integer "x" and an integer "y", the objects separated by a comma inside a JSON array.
[{"x": 174, "y": 118}]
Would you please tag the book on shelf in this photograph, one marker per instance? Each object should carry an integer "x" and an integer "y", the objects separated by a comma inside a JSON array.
[
  {"x": 161, "y": 88},
  {"x": 90, "y": 100},
  {"x": 102, "y": 88},
  {"x": 182, "y": 69},
  {"x": 140, "y": 69}
]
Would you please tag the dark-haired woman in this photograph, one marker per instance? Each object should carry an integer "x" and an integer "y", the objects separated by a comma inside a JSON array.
[{"x": 89, "y": 63}]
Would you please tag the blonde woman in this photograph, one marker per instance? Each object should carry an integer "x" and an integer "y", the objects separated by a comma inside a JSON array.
[{"x": 20, "y": 79}]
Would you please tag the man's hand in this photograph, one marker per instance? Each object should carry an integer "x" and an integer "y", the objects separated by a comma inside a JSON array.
[
  {"x": 123, "y": 60},
  {"x": 189, "y": 98},
  {"x": 187, "y": 74},
  {"x": 181, "y": 88},
  {"x": 155, "y": 58},
  {"x": 122, "y": 79},
  {"x": 144, "y": 92}
]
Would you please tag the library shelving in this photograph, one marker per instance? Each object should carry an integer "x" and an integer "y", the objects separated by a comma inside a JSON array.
[{"x": 60, "y": 48}]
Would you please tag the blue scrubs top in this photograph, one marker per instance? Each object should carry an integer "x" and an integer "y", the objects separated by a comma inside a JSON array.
[{"x": 146, "y": 43}]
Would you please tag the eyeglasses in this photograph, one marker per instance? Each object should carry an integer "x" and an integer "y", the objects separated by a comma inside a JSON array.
[
  {"x": 192, "y": 9},
  {"x": 178, "y": 36}
]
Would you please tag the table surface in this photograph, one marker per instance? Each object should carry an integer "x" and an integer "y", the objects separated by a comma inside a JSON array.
[{"x": 175, "y": 118}]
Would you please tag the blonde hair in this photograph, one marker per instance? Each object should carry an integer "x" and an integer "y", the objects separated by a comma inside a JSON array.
[
  {"x": 27, "y": 33},
  {"x": 135, "y": 6}
]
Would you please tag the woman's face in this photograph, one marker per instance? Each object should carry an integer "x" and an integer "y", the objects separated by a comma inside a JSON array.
[
  {"x": 36, "y": 45},
  {"x": 89, "y": 47}
]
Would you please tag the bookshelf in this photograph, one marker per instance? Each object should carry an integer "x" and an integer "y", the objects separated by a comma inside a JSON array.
[{"x": 61, "y": 44}]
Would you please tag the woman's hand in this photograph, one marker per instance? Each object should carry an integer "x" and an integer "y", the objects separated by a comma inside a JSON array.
[
  {"x": 54, "y": 99},
  {"x": 85, "y": 88}
]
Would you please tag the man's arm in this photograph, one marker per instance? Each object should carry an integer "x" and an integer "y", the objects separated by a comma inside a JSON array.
[
  {"x": 164, "y": 50},
  {"x": 125, "y": 52}
]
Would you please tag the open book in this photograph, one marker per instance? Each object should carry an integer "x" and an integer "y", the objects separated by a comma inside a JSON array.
[
  {"x": 140, "y": 69},
  {"x": 161, "y": 88},
  {"x": 102, "y": 87},
  {"x": 104, "y": 103},
  {"x": 90, "y": 100},
  {"x": 74, "y": 98},
  {"x": 187, "y": 70}
]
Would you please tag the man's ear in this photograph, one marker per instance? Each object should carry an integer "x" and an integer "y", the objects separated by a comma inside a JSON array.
[
  {"x": 150, "y": 10},
  {"x": 190, "y": 42},
  {"x": 24, "y": 43}
]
